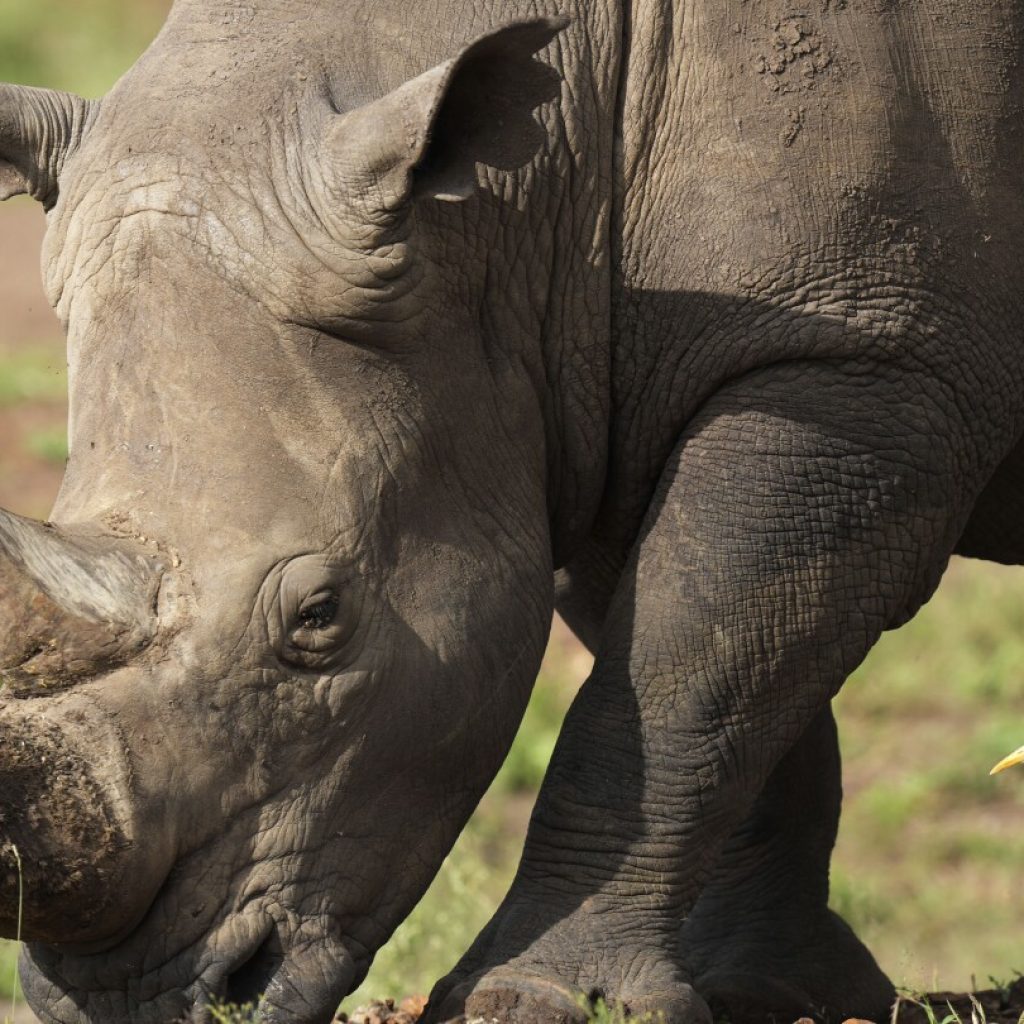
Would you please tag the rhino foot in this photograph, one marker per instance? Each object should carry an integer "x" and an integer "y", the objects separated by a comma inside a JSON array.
[
  {"x": 507, "y": 996},
  {"x": 819, "y": 970},
  {"x": 532, "y": 965}
]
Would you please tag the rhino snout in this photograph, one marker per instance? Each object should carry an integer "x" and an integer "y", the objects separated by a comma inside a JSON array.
[{"x": 70, "y": 871}]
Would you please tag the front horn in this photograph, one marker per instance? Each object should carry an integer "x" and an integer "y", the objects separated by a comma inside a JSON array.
[{"x": 71, "y": 606}]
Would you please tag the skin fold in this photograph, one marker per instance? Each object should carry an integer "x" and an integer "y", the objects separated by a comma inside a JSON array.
[{"x": 391, "y": 328}]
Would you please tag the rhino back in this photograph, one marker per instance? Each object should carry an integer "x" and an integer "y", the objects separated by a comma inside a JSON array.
[{"x": 819, "y": 181}]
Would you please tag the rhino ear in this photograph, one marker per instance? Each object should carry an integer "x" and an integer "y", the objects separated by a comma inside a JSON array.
[
  {"x": 39, "y": 129},
  {"x": 426, "y": 137}
]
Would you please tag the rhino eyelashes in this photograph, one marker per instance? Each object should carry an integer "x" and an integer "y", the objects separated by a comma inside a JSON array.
[
  {"x": 320, "y": 612},
  {"x": 313, "y": 611}
]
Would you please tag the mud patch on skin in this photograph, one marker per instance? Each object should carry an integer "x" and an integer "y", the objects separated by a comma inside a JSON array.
[
  {"x": 793, "y": 57},
  {"x": 792, "y": 130},
  {"x": 67, "y": 836}
]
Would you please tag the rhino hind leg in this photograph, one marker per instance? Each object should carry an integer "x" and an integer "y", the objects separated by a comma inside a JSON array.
[
  {"x": 762, "y": 941},
  {"x": 995, "y": 530}
]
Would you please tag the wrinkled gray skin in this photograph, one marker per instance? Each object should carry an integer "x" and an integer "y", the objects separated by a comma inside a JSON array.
[{"x": 386, "y": 336}]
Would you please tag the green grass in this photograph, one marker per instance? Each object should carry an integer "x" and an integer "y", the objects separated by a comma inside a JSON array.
[
  {"x": 601, "y": 1013},
  {"x": 50, "y": 445},
  {"x": 942, "y": 1015},
  {"x": 8, "y": 969},
  {"x": 31, "y": 375},
  {"x": 81, "y": 45},
  {"x": 223, "y": 1013},
  {"x": 928, "y": 863}
]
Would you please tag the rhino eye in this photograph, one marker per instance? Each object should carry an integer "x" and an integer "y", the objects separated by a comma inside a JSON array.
[
  {"x": 319, "y": 612},
  {"x": 316, "y": 612}
]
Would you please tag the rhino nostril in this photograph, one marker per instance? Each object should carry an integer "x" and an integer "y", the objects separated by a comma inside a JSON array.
[{"x": 247, "y": 982}]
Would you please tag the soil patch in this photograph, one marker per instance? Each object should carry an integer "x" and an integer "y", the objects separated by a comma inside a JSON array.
[{"x": 991, "y": 1006}]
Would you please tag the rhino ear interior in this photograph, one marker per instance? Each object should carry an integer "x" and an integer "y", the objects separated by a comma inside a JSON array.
[
  {"x": 484, "y": 113},
  {"x": 39, "y": 128},
  {"x": 426, "y": 137}
]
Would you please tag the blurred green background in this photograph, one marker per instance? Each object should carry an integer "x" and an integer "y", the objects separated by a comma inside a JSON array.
[{"x": 930, "y": 864}]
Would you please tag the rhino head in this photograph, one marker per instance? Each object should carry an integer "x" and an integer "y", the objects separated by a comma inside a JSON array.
[{"x": 278, "y": 636}]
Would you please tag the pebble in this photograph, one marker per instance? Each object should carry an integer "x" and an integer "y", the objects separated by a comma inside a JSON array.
[{"x": 386, "y": 1011}]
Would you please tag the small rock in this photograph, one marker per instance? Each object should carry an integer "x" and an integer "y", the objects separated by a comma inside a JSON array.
[{"x": 386, "y": 1012}]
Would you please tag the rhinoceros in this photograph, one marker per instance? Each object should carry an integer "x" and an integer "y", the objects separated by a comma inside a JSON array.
[{"x": 391, "y": 328}]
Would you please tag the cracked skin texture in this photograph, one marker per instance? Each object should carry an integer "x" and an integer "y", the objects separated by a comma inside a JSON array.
[{"x": 725, "y": 342}]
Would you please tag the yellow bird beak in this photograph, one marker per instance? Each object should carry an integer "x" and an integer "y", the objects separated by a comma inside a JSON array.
[{"x": 1017, "y": 757}]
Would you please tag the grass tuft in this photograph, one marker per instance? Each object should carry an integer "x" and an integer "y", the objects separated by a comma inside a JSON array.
[
  {"x": 931, "y": 1016},
  {"x": 599, "y": 1012},
  {"x": 13, "y": 995},
  {"x": 229, "y": 1013}
]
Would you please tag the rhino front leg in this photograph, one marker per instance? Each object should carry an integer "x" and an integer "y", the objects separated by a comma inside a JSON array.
[{"x": 788, "y": 531}]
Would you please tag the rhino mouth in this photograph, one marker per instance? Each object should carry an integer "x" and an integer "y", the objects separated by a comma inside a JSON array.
[
  {"x": 247, "y": 952},
  {"x": 233, "y": 964},
  {"x": 245, "y": 983}
]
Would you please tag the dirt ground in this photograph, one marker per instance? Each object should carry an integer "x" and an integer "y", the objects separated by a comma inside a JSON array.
[
  {"x": 22, "y": 1015},
  {"x": 992, "y": 1006}
]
